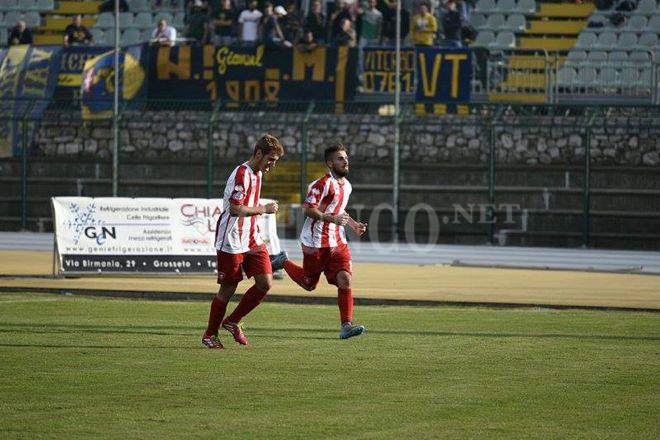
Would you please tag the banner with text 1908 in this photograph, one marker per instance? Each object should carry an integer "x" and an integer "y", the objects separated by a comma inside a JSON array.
[{"x": 146, "y": 235}]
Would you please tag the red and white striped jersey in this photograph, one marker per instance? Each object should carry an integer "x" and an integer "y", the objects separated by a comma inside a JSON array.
[
  {"x": 236, "y": 235},
  {"x": 330, "y": 197}
]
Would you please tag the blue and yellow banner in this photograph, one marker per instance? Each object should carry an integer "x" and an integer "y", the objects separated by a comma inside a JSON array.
[
  {"x": 234, "y": 74},
  {"x": 443, "y": 78},
  {"x": 28, "y": 75},
  {"x": 98, "y": 81},
  {"x": 379, "y": 70}
]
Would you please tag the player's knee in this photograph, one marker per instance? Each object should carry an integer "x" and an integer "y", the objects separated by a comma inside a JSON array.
[
  {"x": 343, "y": 280},
  {"x": 264, "y": 285}
]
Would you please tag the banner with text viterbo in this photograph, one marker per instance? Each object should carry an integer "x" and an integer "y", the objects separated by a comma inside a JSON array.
[{"x": 152, "y": 235}]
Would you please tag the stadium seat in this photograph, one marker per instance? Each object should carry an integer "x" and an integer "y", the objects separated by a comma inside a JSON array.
[
  {"x": 45, "y": 5},
  {"x": 566, "y": 76},
  {"x": 637, "y": 23},
  {"x": 11, "y": 17},
  {"x": 639, "y": 56},
  {"x": 505, "y": 39},
  {"x": 654, "y": 24},
  {"x": 477, "y": 20},
  {"x": 108, "y": 38},
  {"x": 647, "y": 6},
  {"x": 506, "y": 6},
  {"x": 484, "y": 39},
  {"x": 606, "y": 40},
  {"x": 495, "y": 22},
  {"x": 646, "y": 77},
  {"x": 139, "y": 6},
  {"x": 608, "y": 77},
  {"x": 162, "y": 16},
  {"x": 105, "y": 20},
  {"x": 647, "y": 40},
  {"x": 627, "y": 40},
  {"x": 4, "y": 34},
  {"x": 629, "y": 76},
  {"x": 32, "y": 19},
  {"x": 125, "y": 19},
  {"x": 143, "y": 20},
  {"x": 516, "y": 22},
  {"x": 98, "y": 34},
  {"x": 586, "y": 40},
  {"x": 587, "y": 76},
  {"x": 597, "y": 56},
  {"x": 486, "y": 6},
  {"x": 577, "y": 56},
  {"x": 526, "y": 6},
  {"x": 179, "y": 20},
  {"x": 145, "y": 35},
  {"x": 9, "y": 5},
  {"x": 29, "y": 5},
  {"x": 618, "y": 55},
  {"x": 130, "y": 36}
]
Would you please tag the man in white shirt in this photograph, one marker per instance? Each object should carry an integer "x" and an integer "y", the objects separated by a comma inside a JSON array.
[
  {"x": 164, "y": 35},
  {"x": 249, "y": 22}
]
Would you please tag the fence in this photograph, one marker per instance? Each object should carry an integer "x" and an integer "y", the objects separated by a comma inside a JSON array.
[{"x": 502, "y": 174}]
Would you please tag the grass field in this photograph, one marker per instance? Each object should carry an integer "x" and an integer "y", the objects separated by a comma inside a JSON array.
[{"x": 76, "y": 367}]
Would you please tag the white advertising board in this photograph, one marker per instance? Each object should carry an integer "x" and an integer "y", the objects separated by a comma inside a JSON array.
[{"x": 142, "y": 235}]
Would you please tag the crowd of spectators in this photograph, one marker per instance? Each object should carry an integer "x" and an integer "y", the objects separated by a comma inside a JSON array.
[{"x": 361, "y": 23}]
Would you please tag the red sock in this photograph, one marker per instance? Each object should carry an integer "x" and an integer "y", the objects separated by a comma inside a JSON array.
[
  {"x": 250, "y": 300},
  {"x": 218, "y": 309},
  {"x": 296, "y": 273},
  {"x": 345, "y": 303}
]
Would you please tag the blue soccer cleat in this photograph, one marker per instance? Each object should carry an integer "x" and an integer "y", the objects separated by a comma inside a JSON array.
[
  {"x": 277, "y": 261},
  {"x": 348, "y": 331}
]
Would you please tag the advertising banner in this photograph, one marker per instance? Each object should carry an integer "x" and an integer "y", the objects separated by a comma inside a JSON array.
[{"x": 145, "y": 235}]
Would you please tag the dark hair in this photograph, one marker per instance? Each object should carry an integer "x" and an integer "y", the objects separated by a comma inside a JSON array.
[
  {"x": 269, "y": 144},
  {"x": 333, "y": 148}
]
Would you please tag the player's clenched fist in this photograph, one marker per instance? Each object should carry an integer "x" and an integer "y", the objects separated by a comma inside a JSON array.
[{"x": 271, "y": 208}]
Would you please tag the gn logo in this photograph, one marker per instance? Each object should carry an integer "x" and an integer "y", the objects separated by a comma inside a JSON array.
[{"x": 102, "y": 235}]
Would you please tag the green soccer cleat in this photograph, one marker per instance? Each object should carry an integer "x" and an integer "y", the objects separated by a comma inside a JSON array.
[{"x": 348, "y": 331}]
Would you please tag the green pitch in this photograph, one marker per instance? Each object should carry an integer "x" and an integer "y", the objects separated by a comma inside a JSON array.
[{"x": 98, "y": 368}]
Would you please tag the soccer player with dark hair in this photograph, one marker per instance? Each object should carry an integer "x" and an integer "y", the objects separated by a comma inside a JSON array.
[
  {"x": 239, "y": 245},
  {"x": 323, "y": 239}
]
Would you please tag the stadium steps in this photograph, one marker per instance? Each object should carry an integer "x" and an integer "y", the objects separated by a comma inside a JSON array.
[
  {"x": 52, "y": 29},
  {"x": 553, "y": 28}
]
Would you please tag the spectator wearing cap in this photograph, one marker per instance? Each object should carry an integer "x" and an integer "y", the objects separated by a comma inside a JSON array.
[
  {"x": 76, "y": 33},
  {"x": 424, "y": 26},
  {"x": 222, "y": 22},
  {"x": 249, "y": 21},
  {"x": 19, "y": 34},
  {"x": 271, "y": 30},
  {"x": 315, "y": 22},
  {"x": 164, "y": 34},
  {"x": 346, "y": 35}
]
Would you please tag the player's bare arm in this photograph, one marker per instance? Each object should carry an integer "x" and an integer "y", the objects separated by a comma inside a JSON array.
[
  {"x": 358, "y": 227},
  {"x": 248, "y": 211},
  {"x": 316, "y": 214}
]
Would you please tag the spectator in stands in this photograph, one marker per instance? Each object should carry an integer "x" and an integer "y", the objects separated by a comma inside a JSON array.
[
  {"x": 222, "y": 22},
  {"x": 109, "y": 6},
  {"x": 270, "y": 27},
  {"x": 369, "y": 25},
  {"x": 249, "y": 24},
  {"x": 307, "y": 43},
  {"x": 346, "y": 35},
  {"x": 19, "y": 34},
  {"x": 292, "y": 22},
  {"x": 389, "y": 23},
  {"x": 341, "y": 13},
  {"x": 159, "y": 3},
  {"x": 451, "y": 25},
  {"x": 315, "y": 22},
  {"x": 76, "y": 33},
  {"x": 196, "y": 30},
  {"x": 424, "y": 26},
  {"x": 164, "y": 34}
]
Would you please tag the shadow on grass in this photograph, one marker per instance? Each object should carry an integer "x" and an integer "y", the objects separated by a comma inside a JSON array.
[{"x": 275, "y": 332}]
